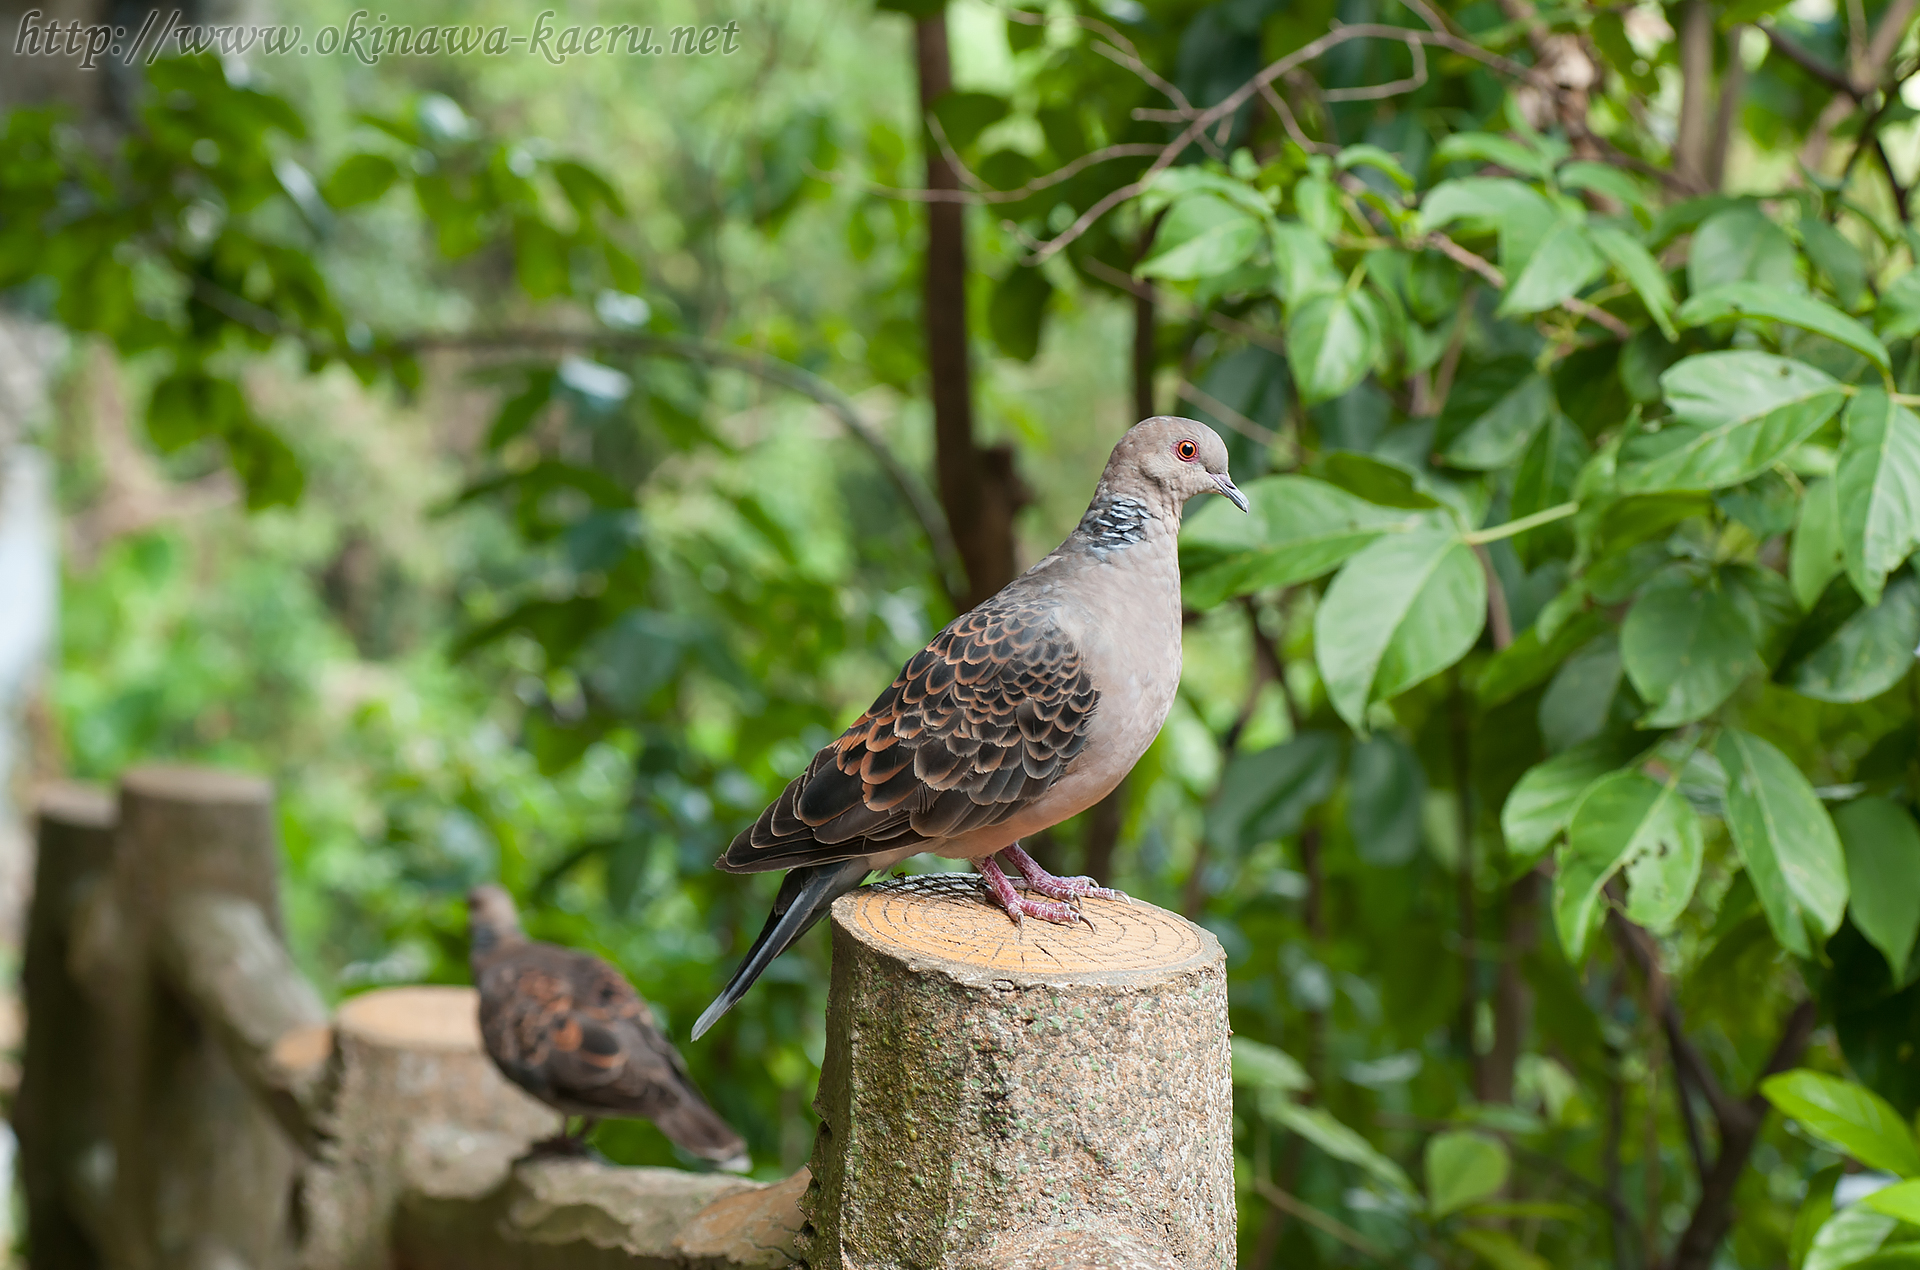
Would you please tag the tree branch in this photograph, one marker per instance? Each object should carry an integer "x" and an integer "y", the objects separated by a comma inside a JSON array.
[
  {"x": 1812, "y": 65},
  {"x": 1491, "y": 272},
  {"x": 1739, "y": 1119},
  {"x": 933, "y": 522}
]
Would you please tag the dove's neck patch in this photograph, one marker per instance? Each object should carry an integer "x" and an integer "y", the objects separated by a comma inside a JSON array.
[{"x": 1113, "y": 523}]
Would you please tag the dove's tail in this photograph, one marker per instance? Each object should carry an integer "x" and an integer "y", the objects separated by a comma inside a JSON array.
[{"x": 805, "y": 896}]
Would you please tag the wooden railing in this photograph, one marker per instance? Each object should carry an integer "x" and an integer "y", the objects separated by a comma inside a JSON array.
[{"x": 993, "y": 1099}]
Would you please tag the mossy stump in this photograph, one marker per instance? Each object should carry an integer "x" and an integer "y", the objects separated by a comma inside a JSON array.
[{"x": 987, "y": 1086}]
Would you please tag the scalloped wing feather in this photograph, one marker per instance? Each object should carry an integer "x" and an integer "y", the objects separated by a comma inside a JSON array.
[{"x": 979, "y": 723}]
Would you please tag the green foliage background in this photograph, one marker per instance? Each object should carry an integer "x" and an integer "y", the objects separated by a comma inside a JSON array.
[{"x": 1546, "y": 754}]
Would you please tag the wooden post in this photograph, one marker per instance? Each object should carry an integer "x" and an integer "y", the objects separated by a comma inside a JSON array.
[
  {"x": 56, "y": 1115},
  {"x": 416, "y": 1105},
  {"x": 203, "y": 1174},
  {"x": 992, "y": 1092}
]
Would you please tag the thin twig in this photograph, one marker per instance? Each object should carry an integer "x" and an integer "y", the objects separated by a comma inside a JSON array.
[
  {"x": 1167, "y": 299},
  {"x": 1321, "y": 1221},
  {"x": 1246, "y": 427},
  {"x": 933, "y": 521},
  {"x": 1491, "y": 272}
]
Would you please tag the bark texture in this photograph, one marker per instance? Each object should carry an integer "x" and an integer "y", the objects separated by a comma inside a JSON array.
[
  {"x": 584, "y": 1215},
  {"x": 978, "y": 488},
  {"x": 57, "y": 1113},
  {"x": 203, "y": 1175},
  {"x": 415, "y": 1105},
  {"x": 989, "y": 1089}
]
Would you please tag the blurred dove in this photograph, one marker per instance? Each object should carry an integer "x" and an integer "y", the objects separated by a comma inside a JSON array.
[
  {"x": 569, "y": 1029},
  {"x": 1021, "y": 713}
]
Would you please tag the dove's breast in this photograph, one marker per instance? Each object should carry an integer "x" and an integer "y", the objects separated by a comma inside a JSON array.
[{"x": 1121, "y": 610}]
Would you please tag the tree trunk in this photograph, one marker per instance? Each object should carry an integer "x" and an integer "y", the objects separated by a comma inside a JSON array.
[
  {"x": 989, "y": 1091},
  {"x": 978, "y": 488},
  {"x": 1690, "y": 157},
  {"x": 417, "y": 1105}
]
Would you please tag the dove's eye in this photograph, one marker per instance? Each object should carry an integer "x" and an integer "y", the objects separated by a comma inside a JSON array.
[{"x": 1187, "y": 451}]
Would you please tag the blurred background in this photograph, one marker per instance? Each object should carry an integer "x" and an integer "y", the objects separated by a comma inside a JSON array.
[{"x": 526, "y": 467}]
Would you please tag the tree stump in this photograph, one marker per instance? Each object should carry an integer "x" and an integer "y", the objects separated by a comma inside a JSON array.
[
  {"x": 203, "y": 1174},
  {"x": 57, "y": 1114},
  {"x": 987, "y": 1084},
  {"x": 416, "y": 1105}
]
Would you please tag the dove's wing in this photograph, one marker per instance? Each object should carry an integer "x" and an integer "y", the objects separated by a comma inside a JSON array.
[{"x": 979, "y": 724}]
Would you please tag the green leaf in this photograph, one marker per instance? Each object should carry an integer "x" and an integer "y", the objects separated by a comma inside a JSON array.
[
  {"x": 1299, "y": 528},
  {"x": 1626, "y": 821},
  {"x": 1848, "y": 1238},
  {"x": 1263, "y": 1067},
  {"x": 1837, "y": 258},
  {"x": 1901, "y": 1200},
  {"x": 1374, "y": 157},
  {"x": 1499, "y": 1249},
  {"x": 1486, "y": 147},
  {"x": 539, "y": 258},
  {"x": 1543, "y": 800},
  {"x": 1318, "y": 1126},
  {"x": 1015, "y": 312},
  {"x": 1385, "y": 787},
  {"x": 1764, "y": 300},
  {"x": 1379, "y": 482},
  {"x": 1202, "y": 236},
  {"x": 1330, "y": 343},
  {"x": 964, "y": 116},
  {"x": 1267, "y": 794},
  {"x": 1405, "y": 608},
  {"x": 1545, "y": 479},
  {"x": 1883, "y": 877},
  {"x": 1463, "y": 1168},
  {"x": 1686, "y": 645},
  {"x": 1558, "y": 266},
  {"x": 1482, "y": 201},
  {"x": 1897, "y": 317},
  {"x": 1815, "y": 1207},
  {"x": 1578, "y": 703},
  {"x": 1877, "y": 490},
  {"x": 1817, "y": 557},
  {"x": 1304, "y": 263},
  {"x": 1870, "y": 652},
  {"x": 1603, "y": 179},
  {"x": 360, "y": 178},
  {"x": 1500, "y": 432},
  {"x": 1786, "y": 841},
  {"x": 1740, "y": 244},
  {"x": 1531, "y": 659},
  {"x": 1848, "y": 1117},
  {"x": 1735, "y": 414},
  {"x": 1639, "y": 270}
]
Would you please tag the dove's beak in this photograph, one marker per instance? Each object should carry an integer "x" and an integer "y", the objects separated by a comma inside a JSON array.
[{"x": 1231, "y": 490}]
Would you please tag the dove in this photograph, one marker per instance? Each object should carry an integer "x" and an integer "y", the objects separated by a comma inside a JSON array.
[
  {"x": 1022, "y": 712},
  {"x": 569, "y": 1029}
]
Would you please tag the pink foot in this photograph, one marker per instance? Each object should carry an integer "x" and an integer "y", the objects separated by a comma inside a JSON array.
[
  {"x": 1057, "y": 888},
  {"x": 1017, "y": 904}
]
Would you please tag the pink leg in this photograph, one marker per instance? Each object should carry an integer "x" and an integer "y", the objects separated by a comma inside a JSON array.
[
  {"x": 1038, "y": 879},
  {"x": 1017, "y": 904}
]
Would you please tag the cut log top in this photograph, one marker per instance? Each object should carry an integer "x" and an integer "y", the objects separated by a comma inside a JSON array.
[
  {"x": 942, "y": 922},
  {"x": 206, "y": 785},
  {"x": 74, "y": 803},
  {"x": 426, "y": 1017}
]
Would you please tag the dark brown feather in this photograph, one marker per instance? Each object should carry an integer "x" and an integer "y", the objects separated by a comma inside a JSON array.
[
  {"x": 570, "y": 1030},
  {"x": 979, "y": 723}
]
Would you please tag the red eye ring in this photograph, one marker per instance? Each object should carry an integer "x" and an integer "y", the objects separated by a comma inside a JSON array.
[{"x": 1186, "y": 451}]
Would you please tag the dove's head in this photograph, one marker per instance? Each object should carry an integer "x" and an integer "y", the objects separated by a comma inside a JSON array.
[
  {"x": 1166, "y": 460},
  {"x": 491, "y": 918}
]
